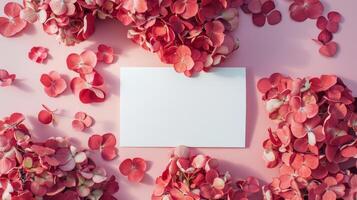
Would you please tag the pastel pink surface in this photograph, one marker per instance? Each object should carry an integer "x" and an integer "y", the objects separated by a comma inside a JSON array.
[{"x": 286, "y": 48}]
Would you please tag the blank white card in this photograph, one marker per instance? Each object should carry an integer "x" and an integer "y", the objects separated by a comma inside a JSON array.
[{"x": 161, "y": 108}]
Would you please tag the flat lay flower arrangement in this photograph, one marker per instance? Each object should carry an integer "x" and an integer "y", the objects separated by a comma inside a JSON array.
[
  {"x": 191, "y": 35},
  {"x": 314, "y": 144}
]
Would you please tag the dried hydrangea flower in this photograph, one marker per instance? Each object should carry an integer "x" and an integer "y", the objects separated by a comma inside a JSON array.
[{"x": 310, "y": 152}]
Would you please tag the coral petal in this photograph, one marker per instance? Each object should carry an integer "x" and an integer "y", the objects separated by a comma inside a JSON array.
[
  {"x": 329, "y": 49},
  {"x": 126, "y": 166},
  {"x": 140, "y": 164},
  {"x": 109, "y": 140},
  {"x": 95, "y": 141},
  {"x": 45, "y": 117},
  {"x": 136, "y": 176},
  {"x": 109, "y": 153}
]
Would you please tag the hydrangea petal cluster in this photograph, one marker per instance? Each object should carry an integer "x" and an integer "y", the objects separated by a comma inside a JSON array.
[
  {"x": 53, "y": 169},
  {"x": 328, "y": 27},
  {"x": 6, "y": 79},
  {"x": 198, "y": 177},
  {"x": 89, "y": 85},
  {"x": 106, "y": 144},
  {"x": 315, "y": 143},
  {"x": 201, "y": 27}
]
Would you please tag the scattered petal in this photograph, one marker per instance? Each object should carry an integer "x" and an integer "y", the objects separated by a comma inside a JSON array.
[{"x": 38, "y": 54}]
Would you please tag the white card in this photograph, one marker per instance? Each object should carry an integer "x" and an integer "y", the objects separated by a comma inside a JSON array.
[{"x": 161, "y": 108}]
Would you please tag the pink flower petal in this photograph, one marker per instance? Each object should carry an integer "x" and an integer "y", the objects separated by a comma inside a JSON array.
[
  {"x": 268, "y": 7},
  {"x": 297, "y": 13},
  {"x": 95, "y": 142},
  {"x": 136, "y": 176},
  {"x": 12, "y": 9},
  {"x": 215, "y": 31},
  {"x": 126, "y": 166},
  {"x": 264, "y": 85},
  {"x": 334, "y": 16},
  {"x": 325, "y": 36},
  {"x": 109, "y": 140},
  {"x": 274, "y": 17},
  {"x": 83, "y": 63},
  {"x": 315, "y": 9},
  {"x": 329, "y": 49},
  {"x": 78, "y": 125},
  {"x": 259, "y": 19},
  {"x": 105, "y": 54},
  {"x": 58, "y": 7},
  {"x": 10, "y": 28},
  {"x": 45, "y": 117},
  {"x": 333, "y": 27},
  {"x": 38, "y": 54},
  {"x": 109, "y": 153},
  {"x": 91, "y": 96},
  {"x": 140, "y": 164},
  {"x": 321, "y": 22},
  {"x": 6, "y": 79}
]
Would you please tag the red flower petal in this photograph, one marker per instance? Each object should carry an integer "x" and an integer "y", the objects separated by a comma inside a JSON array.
[
  {"x": 182, "y": 59},
  {"x": 88, "y": 27},
  {"x": 109, "y": 153},
  {"x": 334, "y": 16},
  {"x": 139, "y": 164},
  {"x": 136, "y": 176},
  {"x": 268, "y": 6},
  {"x": 88, "y": 121},
  {"x": 264, "y": 85},
  {"x": 259, "y": 19},
  {"x": 92, "y": 95},
  {"x": 38, "y": 54},
  {"x": 54, "y": 83},
  {"x": 78, "y": 125},
  {"x": 95, "y": 142},
  {"x": 329, "y": 195},
  {"x": 109, "y": 140},
  {"x": 274, "y": 17},
  {"x": 89, "y": 58},
  {"x": 139, "y": 6},
  {"x": 46, "y": 80},
  {"x": 83, "y": 63},
  {"x": 327, "y": 81},
  {"x": 311, "y": 161},
  {"x": 255, "y": 6},
  {"x": 93, "y": 78},
  {"x": 349, "y": 151},
  {"x": 82, "y": 121},
  {"x": 126, "y": 166},
  {"x": 314, "y": 9},
  {"x": 186, "y": 9},
  {"x": 30, "y": 15},
  {"x": 329, "y": 49},
  {"x": 304, "y": 171},
  {"x": 6, "y": 79},
  {"x": 45, "y": 117},
  {"x": 332, "y": 27},
  {"x": 297, "y": 12},
  {"x": 325, "y": 36},
  {"x": 12, "y": 9},
  {"x": 105, "y": 54},
  {"x": 78, "y": 84},
  {"x": 11, "y": 27},
  {"x": 215, "y": 32},
  {"x": 321, "y": 22}
]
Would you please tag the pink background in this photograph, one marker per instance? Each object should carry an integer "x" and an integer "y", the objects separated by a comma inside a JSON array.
[{"x": 285, "y": 48}]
